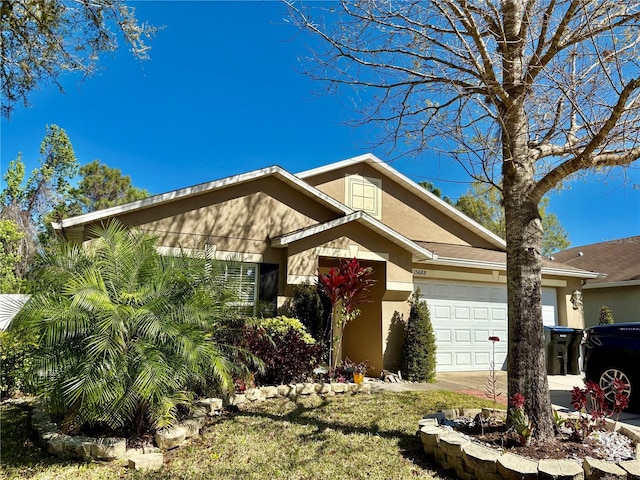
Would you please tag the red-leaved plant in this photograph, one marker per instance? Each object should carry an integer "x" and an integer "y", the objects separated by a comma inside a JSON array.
[
  {"x": 593, "y": 408},
  {"x": 348, "y": 284}
]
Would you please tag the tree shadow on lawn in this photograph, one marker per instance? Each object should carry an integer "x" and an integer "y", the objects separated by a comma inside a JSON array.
[
  {"x": 19, "y": 443},
  {"x": 409, "y": 445}
]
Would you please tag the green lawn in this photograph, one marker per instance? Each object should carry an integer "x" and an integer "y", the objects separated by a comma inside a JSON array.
[{"x": 359, "y": 436}]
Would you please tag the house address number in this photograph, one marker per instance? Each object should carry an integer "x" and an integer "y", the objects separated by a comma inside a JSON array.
[{"x": 420, "y": 272}]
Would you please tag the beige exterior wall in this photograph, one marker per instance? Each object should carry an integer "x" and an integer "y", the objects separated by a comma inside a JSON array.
[
  {"x": 624, "y": 303},
  {"x": 402, "y": 210}
]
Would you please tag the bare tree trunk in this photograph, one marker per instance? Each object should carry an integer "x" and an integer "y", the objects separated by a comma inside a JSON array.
[{"x": 526, "y": 363}]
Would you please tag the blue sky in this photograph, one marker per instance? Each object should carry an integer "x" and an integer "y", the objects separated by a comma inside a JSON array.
[{"x": 223, "y": 94}]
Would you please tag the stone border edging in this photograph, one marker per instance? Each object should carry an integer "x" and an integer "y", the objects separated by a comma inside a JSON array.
[
  {"x": 472, "y": 461},
  {"x": 151, "y": 458}
]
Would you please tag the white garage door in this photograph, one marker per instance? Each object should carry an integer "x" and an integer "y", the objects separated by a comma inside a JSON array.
[{"x": 465, "y": 315}]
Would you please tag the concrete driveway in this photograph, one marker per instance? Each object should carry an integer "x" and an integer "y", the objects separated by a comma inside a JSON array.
[{"x": 475, "y": 383}]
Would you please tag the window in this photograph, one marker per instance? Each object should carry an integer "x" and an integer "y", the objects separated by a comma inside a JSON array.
[
  {"x": 363, "y": 193},
  {"x": 241, "y": 279},
  {"x": 255, "y": 286}
]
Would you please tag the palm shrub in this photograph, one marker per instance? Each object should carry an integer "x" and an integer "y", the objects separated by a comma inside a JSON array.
[
  {"x": 125, "y": 333},
  {"x": 419, "y": 351}
]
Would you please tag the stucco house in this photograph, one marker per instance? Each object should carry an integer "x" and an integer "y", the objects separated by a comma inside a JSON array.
[
  {"x": 287, "y": 227},
  {"x": 619, "y": 289}
]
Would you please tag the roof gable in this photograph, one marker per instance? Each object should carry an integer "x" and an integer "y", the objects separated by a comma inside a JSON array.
[{"x": 415, "y": 189}]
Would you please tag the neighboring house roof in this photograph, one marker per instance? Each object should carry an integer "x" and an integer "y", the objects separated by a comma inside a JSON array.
[
  {"x": 618, "y": 259},
  {"x": 412, "y": 186}
]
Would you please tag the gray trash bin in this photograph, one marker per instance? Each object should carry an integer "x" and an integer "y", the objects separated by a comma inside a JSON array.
[
  {"x": 557, "y": 341},
  {"x": 573, "y": 354}
]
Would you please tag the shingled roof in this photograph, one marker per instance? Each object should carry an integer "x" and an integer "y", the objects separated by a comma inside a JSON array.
[{"x": 619, "y": 259}]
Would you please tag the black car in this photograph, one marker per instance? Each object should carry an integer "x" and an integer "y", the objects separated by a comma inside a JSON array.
[{"x": 610, "y": 352}]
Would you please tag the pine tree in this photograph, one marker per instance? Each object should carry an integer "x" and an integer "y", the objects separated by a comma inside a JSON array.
[{"x": 419, "y": 352}]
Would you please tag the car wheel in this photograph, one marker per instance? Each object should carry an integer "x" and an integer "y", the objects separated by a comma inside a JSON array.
[{"x": 606, "y": 378}]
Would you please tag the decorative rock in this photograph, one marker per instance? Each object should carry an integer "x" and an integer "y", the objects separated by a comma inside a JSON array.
[
  {"x": 479, "y": 458},
  {"x": 339, "y": 387},
  {"x": 253, "y": 394},
  {"x": 56, "y": 444},
  {"x": 634, "y": 435},
  {"x": 439, "y": 416},
  {"x": 632, "y": 467},
  {"x": 451, "y": 443},
  {"x": 238, "y": 399},
  {"x": 269, "y": 392},
  {"x": 306, "y": 388},
  {"x": 80, "y": 447},
  {"x": 169, "y": 438},
  {"x": 364, "y": 387},
  {"x": 515, "y": 467},
  {"x": 211, "y": 405},
  {"x": 559, "y": 470},
  {"x": 470, "y": 412},
  {"x": 430, "y": 436},
  {"x": 148, "y": 461},
  {"x": 191, "y": 427},
  {"x": 594, "y": 468},
  {"x": 108, "y": 448},
  {"x": 285, "y": 390},
  {"x": 425, "y": 422},
  {"x": 494, "y": 413},
  {"x": 450, "y": 413},
  {"x": 324, "y": 388}
]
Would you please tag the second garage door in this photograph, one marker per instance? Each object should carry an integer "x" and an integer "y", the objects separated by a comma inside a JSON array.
[{"x": 465, "y": 315}]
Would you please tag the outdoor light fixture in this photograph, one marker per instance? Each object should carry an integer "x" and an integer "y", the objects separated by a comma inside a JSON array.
[{"x": 576, "y": 299}]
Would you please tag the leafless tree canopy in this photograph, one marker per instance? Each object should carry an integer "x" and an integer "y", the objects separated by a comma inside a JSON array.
[{"x": 444, "y": 75}]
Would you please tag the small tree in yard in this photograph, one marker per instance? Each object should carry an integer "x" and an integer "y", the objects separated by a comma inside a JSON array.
[
  {"x": 419, "y": 352},
  {"x": 348, "y": 285},
  {"x": 524, "y": 95},
  {"x": 606, "y": 315}
]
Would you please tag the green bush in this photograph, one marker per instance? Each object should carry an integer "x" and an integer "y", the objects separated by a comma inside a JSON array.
[
  {"x": 307, "y": 305},
  {"x": 16, "y": 363},
  {"x": 289, "y": 353},
  {"x": 606, "y": 315},
  {"x": 419, "y": 351},
  {"x": 281, "y": 325}
]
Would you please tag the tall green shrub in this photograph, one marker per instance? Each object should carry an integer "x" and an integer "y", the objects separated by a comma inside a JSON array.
[
  {"x": 606, "y": 315},
  {"x": 16, "y": 363},
  {"x": 307, "y": 306},
  {"x": 419, "y": 352}
]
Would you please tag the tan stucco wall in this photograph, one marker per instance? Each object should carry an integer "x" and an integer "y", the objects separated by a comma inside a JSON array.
[
  {"x": 363, "y": 335},
  {"x": 624, "y": 303},
  {"x": 241, "y": 217},
  {"x": 402, "y": 210}
]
